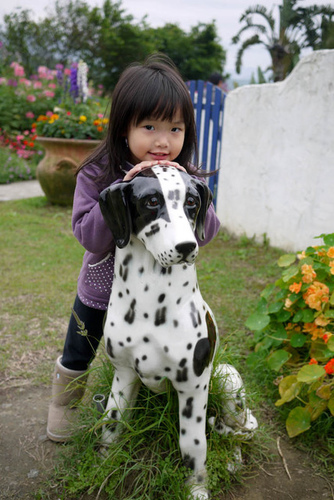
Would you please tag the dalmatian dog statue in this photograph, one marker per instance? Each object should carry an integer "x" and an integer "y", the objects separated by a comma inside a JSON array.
[{"x": 158, "y": 326}]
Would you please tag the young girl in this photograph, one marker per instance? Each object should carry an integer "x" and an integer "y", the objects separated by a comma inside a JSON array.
[{"x": 151, "y": 122}]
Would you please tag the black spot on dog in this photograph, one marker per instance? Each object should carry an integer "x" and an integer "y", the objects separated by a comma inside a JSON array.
[
  {"x": 113, "y": 414},
  {"x": 127, "y": 259},
  {"x": 130, "y": 315},
  {"x": 186, "y": 283},
  {"x": 145, "y": 339},
  {"x": 183, "y": 362},
  {"x": 109, "y": 348},
  {"x": 120, "y": 344},
  {"x": 201, "y": 357},
  {"x": 167, "y": 369},
  {"x": 120, "y": 295},
  {"x": 178, "y": 301},
  {"x": 189, "y": 346},
  {"x": 154, "y": 229},
  {"x": 196, "y": 441},
  {"x": 166, "y": 348},
  {"x": 189, "y": 462},
  {"x": 188, "y": 410},
  {"x": 183, "y": 432},
  {"x": 144, "y": 358},
  {"x": 128, "y": 339},
  {"x": 161, "y": 298},
  {"x": 157, "y": 377},
  {"x": 160, "y": 316},
  {"x": 195, "y": 315},
  {"x": 141, "y": 270},
  {"x": 182, "y": 375},
  {"x": 199, "y": 419},
  {"x": 145, "y": 315},
  {"x": 175, "y": 323},
  {"x": 146, "y": 288}
]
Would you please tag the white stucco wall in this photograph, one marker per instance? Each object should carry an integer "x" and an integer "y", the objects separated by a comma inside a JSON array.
[{"x": 277, "y": 165}]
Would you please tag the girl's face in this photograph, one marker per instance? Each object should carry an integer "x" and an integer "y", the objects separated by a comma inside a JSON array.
[{"x": 156, "y": 139}]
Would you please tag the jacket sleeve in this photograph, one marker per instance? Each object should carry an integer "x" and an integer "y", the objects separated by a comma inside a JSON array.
[{"x": 88, "y": 224}]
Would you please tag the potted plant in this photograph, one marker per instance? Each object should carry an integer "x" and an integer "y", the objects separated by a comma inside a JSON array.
[{"x": 68, "y": 134}]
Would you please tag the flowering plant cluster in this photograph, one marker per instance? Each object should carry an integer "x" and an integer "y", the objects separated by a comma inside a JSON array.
[
  {"x": 294, "y": 330},
  {"x": 62, "y": 92},
  {"x": 81, "y": 123}
]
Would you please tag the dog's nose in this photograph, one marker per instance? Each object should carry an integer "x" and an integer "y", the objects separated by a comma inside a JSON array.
[{"x": 185, "y": 248}]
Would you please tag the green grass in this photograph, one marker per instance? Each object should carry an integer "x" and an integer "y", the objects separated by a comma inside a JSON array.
[{"x": 40, "y": 261}]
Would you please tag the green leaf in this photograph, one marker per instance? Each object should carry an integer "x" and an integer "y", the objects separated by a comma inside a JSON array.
[
  {"x": 316, "y": 406},
  {"x": 258, "y": 321},
  {"x": 298, "y": 421},
  {"x": 324, "y": 391},
  {"x": 298, "y": 316},
  {"x": 289, "y": 388},
  {"x": 290, "y": 273},
  {"x": 308, "y": 316},
  {"x": 286, "y": 260},
  {"x": 310, "y": 373},
  {"x": 277, "y": 359},
  {"x": 275, "y": 307},
  {"x": 331, "y": 405},
  {"x": 298, "y": 340},
  {"x": 283, "y": 316},
  {"x": 329, "y": 313},
  {"x": 268, "y": 291},
  {"x": 329, "y": 239},
  {"x": 330, "y": 343},
  {"x": 320, "y": 351}
]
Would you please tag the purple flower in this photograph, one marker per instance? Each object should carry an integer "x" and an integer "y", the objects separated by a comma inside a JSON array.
[
  {"x": 74, "y": 89},
  {"x": 12, "y": 83}
]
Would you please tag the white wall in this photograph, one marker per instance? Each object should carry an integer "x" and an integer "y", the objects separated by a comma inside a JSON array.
[{"x": 277, "y": 165}]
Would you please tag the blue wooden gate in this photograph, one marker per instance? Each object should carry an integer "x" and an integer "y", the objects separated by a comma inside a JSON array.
[{"x": 208, "y": 101}]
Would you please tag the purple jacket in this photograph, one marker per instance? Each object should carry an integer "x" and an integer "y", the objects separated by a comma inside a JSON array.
[{"x": 96, "y": 275}]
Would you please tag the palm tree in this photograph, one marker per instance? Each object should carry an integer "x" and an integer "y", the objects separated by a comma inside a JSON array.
[{"x": 297, "y": 28}]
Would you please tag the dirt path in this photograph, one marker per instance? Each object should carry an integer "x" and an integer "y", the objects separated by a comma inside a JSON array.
[{"x": 27, "y": 456}]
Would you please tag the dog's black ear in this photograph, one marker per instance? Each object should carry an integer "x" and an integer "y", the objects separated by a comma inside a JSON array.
[
  {"x": 206, "y": 199},
  {"x": 115, "y": 210}
]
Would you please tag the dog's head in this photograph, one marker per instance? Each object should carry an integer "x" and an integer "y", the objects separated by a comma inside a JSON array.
[{"x": 163, "y": 211}]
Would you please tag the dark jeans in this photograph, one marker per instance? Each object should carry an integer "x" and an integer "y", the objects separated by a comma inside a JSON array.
[{"x": 84, "y": 333}]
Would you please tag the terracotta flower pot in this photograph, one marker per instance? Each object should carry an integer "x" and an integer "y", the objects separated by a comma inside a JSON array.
[{"x": 56, "y": 170}]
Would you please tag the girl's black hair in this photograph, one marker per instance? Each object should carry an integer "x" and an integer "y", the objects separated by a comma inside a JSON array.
[{"x": 153, "y": 89}]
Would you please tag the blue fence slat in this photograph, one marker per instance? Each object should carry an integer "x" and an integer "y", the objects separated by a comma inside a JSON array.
[{"x": 208, "y": 101}]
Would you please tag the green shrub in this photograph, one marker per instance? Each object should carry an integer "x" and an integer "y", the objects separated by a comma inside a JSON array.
[{"x": 293, "y": 329}]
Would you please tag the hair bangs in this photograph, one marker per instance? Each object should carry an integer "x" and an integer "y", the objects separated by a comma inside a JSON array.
[{"x": 160, "y": 101}]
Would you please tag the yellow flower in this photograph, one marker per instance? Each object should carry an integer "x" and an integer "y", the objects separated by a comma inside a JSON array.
[
  {"x": 83, "y": 118},
  {"x": 105, "y": 121}
]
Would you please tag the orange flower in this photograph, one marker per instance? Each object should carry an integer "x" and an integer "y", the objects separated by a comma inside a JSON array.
[
  {"x": 316, "y": 294},
  {"x": 330, "y": 367},
  {"x": 330, "y": 253},
  {"x": 301, "y": 255},
  {"x": 295, "y": 287},
  {"x": 326, "y": 337},
  {"x": 313, "y": 361},
  {"x": 331, "y": 265},
  {"x": 321, "y": 320},
  {"x": 308, "y": 273},
  {"x": 312, "y": 329}
]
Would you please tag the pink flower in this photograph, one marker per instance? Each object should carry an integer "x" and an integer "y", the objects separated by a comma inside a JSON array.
[
  {"x": 37, "y": 85},
  {"x": 3, "y": 80},
  {"x": 19, "y": 137},
  {"x": 30, "y": 114},
  {"x": 31, "y": 98},
  {"x": 52, "y": 85},
  {"x": 49, "y": 93},
  {"x": 49, "y": 113},
  {"x": 25, "y": 82},
  {"x": 67, "y": 71}
]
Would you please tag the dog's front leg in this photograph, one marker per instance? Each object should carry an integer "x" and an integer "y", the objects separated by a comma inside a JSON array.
[
  {"x": 122, "y": 397},
  {"x": 193, "y": 445}
]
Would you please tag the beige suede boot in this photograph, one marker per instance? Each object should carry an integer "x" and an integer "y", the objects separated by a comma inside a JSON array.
[{"x": 68, "y": 387}]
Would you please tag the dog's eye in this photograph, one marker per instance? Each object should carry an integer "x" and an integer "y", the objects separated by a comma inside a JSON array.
[
  {"x": 191, "y": 202},
  {"x": 152, "y": 202}
]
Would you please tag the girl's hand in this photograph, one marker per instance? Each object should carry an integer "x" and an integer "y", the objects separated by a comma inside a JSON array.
[{"x": 148, "y": 164}]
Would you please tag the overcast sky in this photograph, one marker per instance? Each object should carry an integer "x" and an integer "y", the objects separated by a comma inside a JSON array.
[{"x": 187, "y": 13}]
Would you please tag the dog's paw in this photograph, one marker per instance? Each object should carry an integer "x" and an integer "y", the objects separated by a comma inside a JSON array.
[{"x": 199, "y": 493}]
